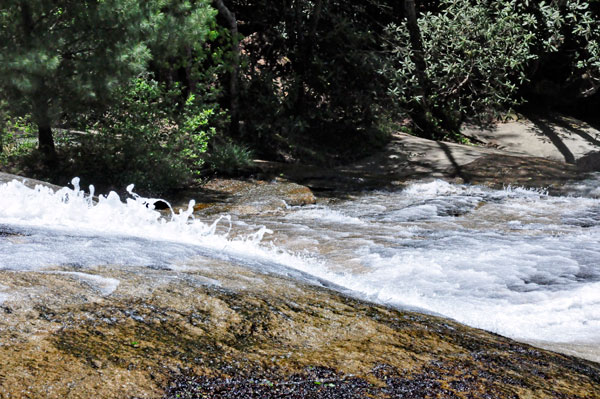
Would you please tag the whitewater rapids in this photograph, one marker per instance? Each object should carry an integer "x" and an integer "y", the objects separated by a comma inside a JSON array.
[{"x": 516, "y": 262}]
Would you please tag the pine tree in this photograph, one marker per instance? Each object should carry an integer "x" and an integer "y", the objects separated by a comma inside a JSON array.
[{"x": 60, "y": 58}]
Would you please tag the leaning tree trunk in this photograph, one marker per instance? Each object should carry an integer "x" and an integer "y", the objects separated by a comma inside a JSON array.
[{"x": 234, "y": 127}]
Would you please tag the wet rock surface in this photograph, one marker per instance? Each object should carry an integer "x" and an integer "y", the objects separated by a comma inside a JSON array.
[
  {"x": 7, "y": 177},
  {"x": 246, "y": 197},
  {"x": 214, "y": 330},
  {"x": 500, "y": 170},
  {"x": 276, "y": 186}
]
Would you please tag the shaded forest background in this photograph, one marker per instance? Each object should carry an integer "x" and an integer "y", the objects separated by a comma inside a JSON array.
[{"x": 163, "y": 93}]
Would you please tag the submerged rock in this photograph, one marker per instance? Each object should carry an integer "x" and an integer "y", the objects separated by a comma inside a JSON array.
[
  {"x": 214, "y": 330},
  {"x": 247, "y": 197}
]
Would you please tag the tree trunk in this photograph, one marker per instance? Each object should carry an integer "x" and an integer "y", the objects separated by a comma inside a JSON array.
[
  {"x": 40, "y": 105},
  {"x": 306, "y": 45},
  {"x": 423, "y": 117},
  {"x": 46, "y": 142},
  {"x": 40, "y": 117},
  {"x": 234, "y": 127},
  {"x": 415, "y": 41}
]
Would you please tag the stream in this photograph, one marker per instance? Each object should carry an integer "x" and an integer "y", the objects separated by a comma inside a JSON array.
[{"x": 517, "y": 262}]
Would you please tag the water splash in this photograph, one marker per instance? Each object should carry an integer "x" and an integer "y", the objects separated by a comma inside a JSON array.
[
  {"x": 70, "y": 227},
  {"x": 72, "y": 208}
]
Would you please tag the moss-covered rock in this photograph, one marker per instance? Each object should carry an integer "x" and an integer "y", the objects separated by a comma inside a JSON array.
[{"x": 220, "y": 331}]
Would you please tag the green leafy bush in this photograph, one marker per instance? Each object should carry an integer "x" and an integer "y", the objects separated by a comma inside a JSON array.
[
  {"x": 229, "y": 158},
  {"x": 569, "y": 36},
  {"x": 148, "y": 139},
  {"x": 17, "y": 137},
  {"x": 484, "y": 57},
  {"x": 476, "y": 54}
]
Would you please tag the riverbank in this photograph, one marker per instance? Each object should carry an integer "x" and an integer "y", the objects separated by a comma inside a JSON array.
[{"x": 515, "y": 153}]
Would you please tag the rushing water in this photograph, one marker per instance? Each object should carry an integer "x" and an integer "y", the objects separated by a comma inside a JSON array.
[{"x": 517, "y": 262}]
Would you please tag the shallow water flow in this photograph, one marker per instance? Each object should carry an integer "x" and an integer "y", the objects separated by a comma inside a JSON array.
[{"x": 517, "y": 262}]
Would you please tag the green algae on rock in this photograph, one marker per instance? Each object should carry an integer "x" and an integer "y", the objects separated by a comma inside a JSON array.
[{"x": 220, "y": 331}]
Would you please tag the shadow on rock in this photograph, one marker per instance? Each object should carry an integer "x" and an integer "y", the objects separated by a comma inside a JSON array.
[{"x": 589, "y": 162}]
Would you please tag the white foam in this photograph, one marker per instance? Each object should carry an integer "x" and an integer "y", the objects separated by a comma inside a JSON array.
[
  {"x": 323, "y": 215},
  {"x": 73, "y": 209},
  {"x": 68, "y": 228},
  {"x": 517, "y": 262},
  {"x": 588, "y": 187}
]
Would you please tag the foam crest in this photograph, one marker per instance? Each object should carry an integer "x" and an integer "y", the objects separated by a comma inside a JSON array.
[
  {"x": 68, "y": 227},
  {"x": 72, "y": 208}
]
